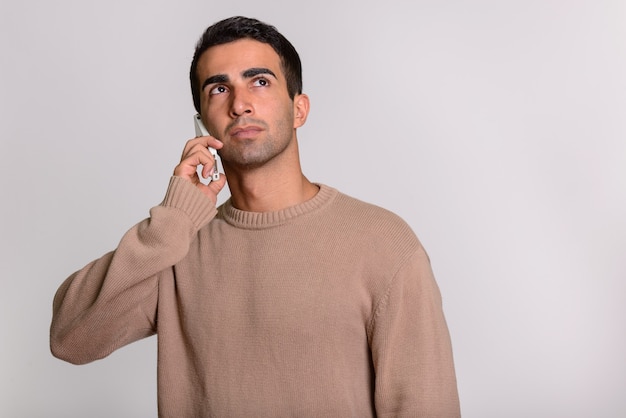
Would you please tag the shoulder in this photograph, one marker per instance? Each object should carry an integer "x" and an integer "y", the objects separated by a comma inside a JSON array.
[
  {"x": 373, "y": 222},
  {"x": 378, "y": 243},
  {"x": 371, "y": 214}
]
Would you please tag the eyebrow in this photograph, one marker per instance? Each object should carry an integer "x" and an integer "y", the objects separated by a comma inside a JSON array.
[
  {"x": 253, "y": 72},
  {"x": 220, "y": 78},
  {"x": 249, "y": 73}
]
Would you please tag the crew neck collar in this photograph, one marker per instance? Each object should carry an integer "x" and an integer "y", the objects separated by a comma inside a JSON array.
[{"x": 261, "y": 220}]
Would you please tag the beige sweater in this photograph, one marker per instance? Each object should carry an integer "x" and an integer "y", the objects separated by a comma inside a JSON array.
[{"x": 325, "y": 309}]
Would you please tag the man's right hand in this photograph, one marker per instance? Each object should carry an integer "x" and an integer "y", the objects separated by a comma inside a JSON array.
[{"x": 196, "y": 153}]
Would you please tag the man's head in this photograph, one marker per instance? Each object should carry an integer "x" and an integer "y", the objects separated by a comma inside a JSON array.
[{"x": 236, "y": 28}]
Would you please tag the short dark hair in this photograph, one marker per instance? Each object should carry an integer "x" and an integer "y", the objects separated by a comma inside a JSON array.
[{"x": 239, "y": 27}]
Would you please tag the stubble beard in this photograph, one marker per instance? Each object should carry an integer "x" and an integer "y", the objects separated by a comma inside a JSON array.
[{"x": 249, "y": 154}]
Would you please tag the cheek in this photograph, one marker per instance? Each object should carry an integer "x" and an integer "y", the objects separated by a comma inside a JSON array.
[
  {"x": 284, "y": 123},
  {"x": 215, "y": 123}
]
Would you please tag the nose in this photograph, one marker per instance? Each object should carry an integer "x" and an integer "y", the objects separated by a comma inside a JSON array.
[{"x": 240, "y": 103}]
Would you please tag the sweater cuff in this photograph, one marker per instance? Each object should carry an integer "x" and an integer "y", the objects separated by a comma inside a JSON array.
[{"x": 183, "y": 195}]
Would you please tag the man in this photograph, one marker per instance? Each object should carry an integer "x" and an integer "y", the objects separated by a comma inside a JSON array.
[{"x": 291, "y": 299}]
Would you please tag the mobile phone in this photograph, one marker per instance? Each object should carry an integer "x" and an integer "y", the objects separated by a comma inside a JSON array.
[{"x": 202, "y": 131}]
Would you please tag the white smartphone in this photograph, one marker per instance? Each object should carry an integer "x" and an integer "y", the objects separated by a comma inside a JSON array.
[{"x": 202, "y": 131}]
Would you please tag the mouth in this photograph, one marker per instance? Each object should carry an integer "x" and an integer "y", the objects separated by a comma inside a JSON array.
[{"x": 245, "y": 132}]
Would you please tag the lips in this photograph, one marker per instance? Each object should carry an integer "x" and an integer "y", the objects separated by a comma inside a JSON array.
[{"x": 247, "y": 131}]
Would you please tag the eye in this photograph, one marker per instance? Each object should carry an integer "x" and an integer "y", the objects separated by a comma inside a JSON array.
[
  {"x": 218, "y": 90},
  {"x": 261, "y": 82}
]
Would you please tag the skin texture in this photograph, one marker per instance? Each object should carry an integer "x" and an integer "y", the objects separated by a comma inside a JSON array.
[{"x": 246, "y": 106}]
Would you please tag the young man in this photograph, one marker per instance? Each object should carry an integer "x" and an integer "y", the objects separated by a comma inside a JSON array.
[{"x": 291, "y": 299}]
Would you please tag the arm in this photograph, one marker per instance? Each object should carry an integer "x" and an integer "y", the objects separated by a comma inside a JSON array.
[
  {"x": 411, "y": 348},
  {"x": 112, "y": 301}
]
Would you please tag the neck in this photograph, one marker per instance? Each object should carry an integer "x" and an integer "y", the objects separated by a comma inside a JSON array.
[{"x": 271, "y": 196}]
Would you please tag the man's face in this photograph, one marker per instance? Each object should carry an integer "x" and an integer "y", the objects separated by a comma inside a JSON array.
[{"x": 245, "y": 103}]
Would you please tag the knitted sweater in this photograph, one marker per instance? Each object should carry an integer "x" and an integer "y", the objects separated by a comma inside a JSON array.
[{"x": 325, "y": 309}]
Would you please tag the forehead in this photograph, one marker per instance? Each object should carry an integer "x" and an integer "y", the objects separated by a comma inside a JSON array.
[{"x": 236, "y": 56}]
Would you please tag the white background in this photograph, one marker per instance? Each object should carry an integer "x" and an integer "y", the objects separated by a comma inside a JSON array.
[{"x": 496, "y": 128}]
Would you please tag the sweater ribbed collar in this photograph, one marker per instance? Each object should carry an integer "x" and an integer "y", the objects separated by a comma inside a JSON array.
[{"x": 262, "y": 220}]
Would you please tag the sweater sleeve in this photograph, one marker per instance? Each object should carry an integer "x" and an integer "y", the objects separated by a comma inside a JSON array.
[
  {"x": 112, "y": 301},
  {"x": 411, "y": 348}
]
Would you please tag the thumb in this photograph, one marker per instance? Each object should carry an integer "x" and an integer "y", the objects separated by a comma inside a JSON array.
[{"x": 213, "y": 188}]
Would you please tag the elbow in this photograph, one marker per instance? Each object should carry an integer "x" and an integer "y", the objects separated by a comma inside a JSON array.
[
  {"x": 63, "y": 348},
  {"x": 61, "y": 351}
]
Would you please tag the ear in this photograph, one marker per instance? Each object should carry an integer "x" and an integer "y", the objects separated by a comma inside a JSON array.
[{"x": 300, "y": 110}]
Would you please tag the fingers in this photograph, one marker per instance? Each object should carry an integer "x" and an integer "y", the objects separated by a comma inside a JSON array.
[
  {"x": 196, "y": 153},
  {"x": 209, "y": 169},
  {"x": 202, "y": 141},
  {"x": 212, "y": 189}
]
